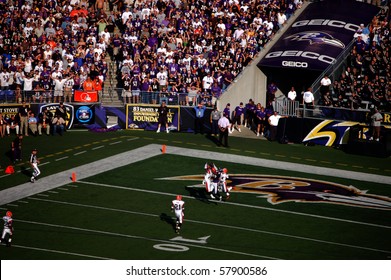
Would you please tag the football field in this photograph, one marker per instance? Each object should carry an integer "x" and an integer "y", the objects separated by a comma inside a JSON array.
[{"x": 120, "y": 209}]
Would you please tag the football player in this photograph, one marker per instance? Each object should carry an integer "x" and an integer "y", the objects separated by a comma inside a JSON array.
[
  {"x": 222, "y": 182},
  {"x": 34, "y": 165},
  {"x": 177, "y": 206},
  {"x": 8, "y": 229},
  {"x": 210, "y": 175}
]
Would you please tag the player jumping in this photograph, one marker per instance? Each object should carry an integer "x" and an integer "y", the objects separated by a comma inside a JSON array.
[
  {"x": 8, "y": 229},
  {"x": 178, "y": 207},
  {"x": 210, "y": 175}
]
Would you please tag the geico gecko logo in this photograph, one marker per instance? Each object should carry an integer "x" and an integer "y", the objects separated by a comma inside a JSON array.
[{"x": 280, "y": 189}]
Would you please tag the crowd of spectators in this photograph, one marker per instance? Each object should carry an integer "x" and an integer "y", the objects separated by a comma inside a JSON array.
[
  {"x": 367, "y": 77},
  {"x": 201, "y": 45}
]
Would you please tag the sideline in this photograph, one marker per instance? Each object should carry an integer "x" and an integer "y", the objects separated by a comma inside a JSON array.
[{"x": 57, "y": 180}]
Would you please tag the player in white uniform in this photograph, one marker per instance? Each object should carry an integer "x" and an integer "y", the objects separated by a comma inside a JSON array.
[
  {"x": 178, "y": 207},
  {"x": 210, "y": 174},
  {"x": 222, "y": 182},
  {"x": 8, "y": 229},
  {"x": 34, "y": 165}
]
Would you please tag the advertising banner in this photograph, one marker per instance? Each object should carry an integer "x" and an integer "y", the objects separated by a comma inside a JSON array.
[
  {"x": 146, "y": 117},
  {"x": 85, "y": 96},
  {"x": 314, "y": 41}
]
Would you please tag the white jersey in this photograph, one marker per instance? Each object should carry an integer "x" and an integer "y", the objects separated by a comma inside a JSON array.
[
  {"x": 178, "y": 207},
  {"x": 7, "y": 227}
]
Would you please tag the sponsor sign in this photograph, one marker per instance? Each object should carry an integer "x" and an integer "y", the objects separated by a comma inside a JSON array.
[
  {"x": 85, "y": 114},
  {"x": 9, "y": 110},
  {"x": 86, "y": 96},
  {"x": 70, "y": 111},
  {"x": 146, "y": 116},
  {"x": 318, "y": 35}
]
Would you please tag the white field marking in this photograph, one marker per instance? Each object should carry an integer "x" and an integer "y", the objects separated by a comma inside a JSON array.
[
  {"x": 7, "y": 175},
  {"x": 61, "y": 158},
  {"x": 13, "y": 205},
  {"x": 1, "y": 208},
  {"x": 41, "y": 194},
  {"x": 242, "y": 205},
  {"x": 44, "y": 163},
  {"x": 213, "y": 224},
  {"x": 52, "y": 192},
  {"x": 79, "y": 153},
  {"x": 22, "y": 201},
  {"x": 62, "y": 189},
  {"x": 60, "y": 252},
  {"x": 99, "y": 147},
  {"x": 144, "y": 238},
  {"x": 131, "y": 139},
  {"x": 114, "y": 143}
]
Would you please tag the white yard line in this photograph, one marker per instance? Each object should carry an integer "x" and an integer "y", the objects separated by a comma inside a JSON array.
[
  {"x": 60, "y": 252},
  {"x": 99, "y": 147},
  {"x": 79, "y": 153},
  {"x": 213, "y": 224},
  {"x": 145, "y": 238}
]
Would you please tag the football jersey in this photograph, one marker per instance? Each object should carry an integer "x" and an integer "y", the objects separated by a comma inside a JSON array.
[
  {"x": 178, "y": 205},
  {"x": 7, "y": 222}
]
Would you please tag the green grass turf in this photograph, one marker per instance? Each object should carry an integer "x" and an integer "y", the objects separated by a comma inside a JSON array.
[{"x": 124, "y": 220}]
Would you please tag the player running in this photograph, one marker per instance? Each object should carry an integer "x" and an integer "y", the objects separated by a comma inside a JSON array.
[
  {"x": 223, "y": 176},
  {"x": 8, "y": 229},
  {"x": 34, "y": 165},
  {"x": 178, "y": 207}
]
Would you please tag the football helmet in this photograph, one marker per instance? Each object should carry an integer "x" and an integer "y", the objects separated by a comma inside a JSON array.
[
  {"x": 8, "y": 214},
  {"x": 178, "y": 197},
  {"x": 225, "y": 170}
]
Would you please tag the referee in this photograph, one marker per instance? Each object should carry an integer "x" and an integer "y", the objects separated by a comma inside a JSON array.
[{"x": 223, "y": 130}]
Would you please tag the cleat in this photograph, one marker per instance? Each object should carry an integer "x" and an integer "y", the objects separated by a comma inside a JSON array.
[
  {"x": 239, "y": 130},
  {"x": 32, "y": 180},
  {"x": 168, "y": 131},
  {"x": 257, "y": 134},
  {"x": 212, "y": 196}
]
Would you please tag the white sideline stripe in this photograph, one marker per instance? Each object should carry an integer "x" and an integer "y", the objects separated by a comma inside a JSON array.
[
  {"x": 87, "y": 170},
  {"x": 60, "y": 252},
  {"x": 310, "y": 169},
  {"x": 99, "y": 147},
  {"x": 114, "y": 143},
  {"x": 61, "y": 158},
  {"x": 241, "y": 205},
  {"x": 145, "y": 238},
  {"x": 79, "y": 153},
  {"x": 213, "y": 224}
]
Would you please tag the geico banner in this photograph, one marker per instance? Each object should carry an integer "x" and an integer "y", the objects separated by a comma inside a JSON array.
[
  {"x": 319, "y": 35},
  {"x": 146, "y": 117},
  {"x": 86, "y": 96}
]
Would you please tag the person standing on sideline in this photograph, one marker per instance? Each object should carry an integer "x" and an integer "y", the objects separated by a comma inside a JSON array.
[
  {"x": 163, "y": 120},
  {"x": 178, "y": 206},
  {"x": 8, "y": 229},
  {"x": 273, "y": 122},
  {"x": 376, "y": 120},
  {"x": 238, "y": 117},
  {"x": 199, "y": 118},
  {"x": 16, "y": 148},
  {"x": 227, "y": 112},
  {"x": 214, "y": 120},
  {"x": 23, "y": 116},
  {"x": 34, "y": 161},
  {"x": 224, "y": 125},
  {"x": 308, "y": 101}
]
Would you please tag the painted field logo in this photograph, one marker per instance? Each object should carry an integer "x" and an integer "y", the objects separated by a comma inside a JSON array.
[{"x": 279, "y": 189}]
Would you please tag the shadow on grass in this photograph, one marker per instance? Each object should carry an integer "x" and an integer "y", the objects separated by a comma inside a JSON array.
[
  {"x": 213, "y": 139},
  {"x": 168, "y": 219},
  {"x": 199, "y": 194}
]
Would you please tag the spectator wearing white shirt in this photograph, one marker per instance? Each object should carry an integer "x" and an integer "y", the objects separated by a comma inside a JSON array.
[{"x": 292, "y": 94}]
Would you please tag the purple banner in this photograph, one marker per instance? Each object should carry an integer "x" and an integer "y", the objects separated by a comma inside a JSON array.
[{"x": 319, "y": 35}]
